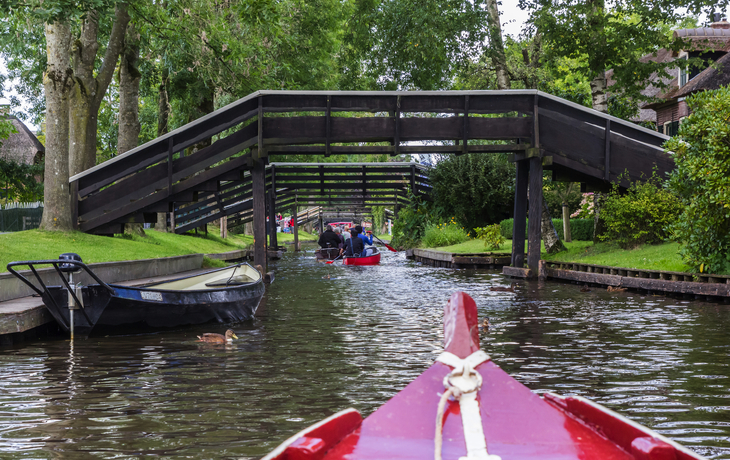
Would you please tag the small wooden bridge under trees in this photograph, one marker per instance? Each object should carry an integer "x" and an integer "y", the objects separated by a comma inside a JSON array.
[{"x": 233, "y": 176}]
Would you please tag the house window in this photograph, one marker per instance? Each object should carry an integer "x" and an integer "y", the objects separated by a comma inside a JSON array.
[
  {"x": 683, "y": 74},
  {"x": 671, "y": 128},
  {"x": 660, "y": 128}
]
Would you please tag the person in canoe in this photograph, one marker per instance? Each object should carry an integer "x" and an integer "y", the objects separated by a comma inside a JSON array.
[
  {"x": 329, "y": 239},
  {"x": 366, "y": 239},
  {"x": 354, "y": 246}
]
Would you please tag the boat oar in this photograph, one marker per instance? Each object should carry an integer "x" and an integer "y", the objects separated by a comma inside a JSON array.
[
  {"x": 385, "y": 244},
  {"x": 332, "y": 261}
]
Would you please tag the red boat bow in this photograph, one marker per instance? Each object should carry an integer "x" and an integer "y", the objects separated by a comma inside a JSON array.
[{"x": 515, "y": 422}]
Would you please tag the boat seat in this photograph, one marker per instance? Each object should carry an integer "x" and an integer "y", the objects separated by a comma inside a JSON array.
[{"x": 235, "y": 281}]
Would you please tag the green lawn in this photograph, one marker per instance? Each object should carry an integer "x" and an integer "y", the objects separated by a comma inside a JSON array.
[
  {"x": 36, "y": 244},
  {"x": 653, "y": 257},
  {"x": 289, "y": 237}
]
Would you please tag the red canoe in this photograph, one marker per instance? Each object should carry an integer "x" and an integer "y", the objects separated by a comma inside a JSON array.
[
  {"x": 370, "y": 260},
  {"x": 495, "y": 416}
]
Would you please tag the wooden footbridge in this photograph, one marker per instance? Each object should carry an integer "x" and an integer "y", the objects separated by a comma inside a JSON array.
[{"x": 235, "y": 177}]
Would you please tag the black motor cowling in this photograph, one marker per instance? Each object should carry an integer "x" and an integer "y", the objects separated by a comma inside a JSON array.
[{"x": 69, "y": 268}]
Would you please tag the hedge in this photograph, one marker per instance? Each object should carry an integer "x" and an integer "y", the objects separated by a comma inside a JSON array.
[{"x": 580, "y": 229}]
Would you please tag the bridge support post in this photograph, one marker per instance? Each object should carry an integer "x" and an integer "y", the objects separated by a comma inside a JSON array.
[
  {"x": 258, "y": 179},
  {"x": 535, "y": 216},
  {"x": 295, "y": 228},
  {"x": 273, "y": 243},
  {"x": 520, "y": 214}
]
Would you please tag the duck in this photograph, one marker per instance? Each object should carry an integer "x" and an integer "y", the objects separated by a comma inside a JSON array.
[
  {"x": 585, "y": 289},
  {"x": 211, "y": 337},
  {"x": 485, "y": 324},
  {"x": 511, "y": 288},
  {"x": 615, "y": 289}
]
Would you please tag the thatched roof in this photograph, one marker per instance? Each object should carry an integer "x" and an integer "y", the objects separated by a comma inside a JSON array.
[{"x": 23, "y": 146}]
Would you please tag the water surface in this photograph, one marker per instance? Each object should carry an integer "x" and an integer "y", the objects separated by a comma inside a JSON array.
[{"x": 331, "y": 337}]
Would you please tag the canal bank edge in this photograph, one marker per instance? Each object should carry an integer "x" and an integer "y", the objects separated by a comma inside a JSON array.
[{"x": 630, "y": 278}]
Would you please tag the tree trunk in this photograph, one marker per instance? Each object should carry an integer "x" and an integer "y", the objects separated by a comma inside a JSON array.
[
  {"x": 89, "y": 90},
  {"x": 566, "y": 224},
  {"x": 57, "y": 83},
  {"x": 598, "y": 224},
  {"x": 163, "y": 118},
  {"x": 598, "y": 93},
  {"x": 129, "y": 126},
  {"x": 549, "y": 234},
  {"x": 497, "y": 46},
  {"x": 129, "y": 78}
]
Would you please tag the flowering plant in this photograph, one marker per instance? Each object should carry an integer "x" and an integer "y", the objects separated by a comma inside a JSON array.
[{"x": 586, "y": 207}]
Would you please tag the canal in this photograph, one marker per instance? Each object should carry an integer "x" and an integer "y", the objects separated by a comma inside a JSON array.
[{"x": 330, "y": 337}]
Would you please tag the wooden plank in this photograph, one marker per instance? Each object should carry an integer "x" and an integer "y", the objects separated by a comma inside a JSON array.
[
  {"x": 182, "y": 187},
  {"x": 500, "y": 103},
  {"x": 535, "y": 215},
  {"x": 156, "y": 150},
  {"x": 607, "y": 152},
  {"x": 259, "y": 212},
  {"x": 517, "y": 272},
  {"x": 272, "y": 219},
  {"x": 680, "y": 287},
  {"x": 156, "y": 177},
  {"x": 520, "y": 214},
  {"x": 295, "y": 222}
]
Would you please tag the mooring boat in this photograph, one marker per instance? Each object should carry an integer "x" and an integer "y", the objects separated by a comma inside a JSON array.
[
  {"x": 225, "y": 295},
  {"x": 465, "y": 407},
  {"x": 327, "y": 253},
  {"x": 373, "y": 259}
]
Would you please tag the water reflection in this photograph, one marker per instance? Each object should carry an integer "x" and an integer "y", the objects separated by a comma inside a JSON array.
[{"x": 330, "y": 337}]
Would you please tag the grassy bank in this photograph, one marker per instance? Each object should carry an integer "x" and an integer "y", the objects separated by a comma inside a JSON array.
[
  {"x": 651, "y": 257},
  {"x": 36, "y": 244}
]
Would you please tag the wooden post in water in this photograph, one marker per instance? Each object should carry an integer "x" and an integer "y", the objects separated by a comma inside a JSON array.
[
  {"x": 258, "y": 179},
  {"x": 295, "y": 228},
  {"x": 535, "y": 216},
  {"x": 273, "y": 244},
  {"x": 518, "y": 226}
]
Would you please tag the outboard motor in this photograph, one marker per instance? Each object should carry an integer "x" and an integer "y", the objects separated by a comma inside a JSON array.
[{"x": 71, "y": 269}]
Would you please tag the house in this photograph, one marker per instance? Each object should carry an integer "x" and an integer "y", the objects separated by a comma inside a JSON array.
[
  {"x": 22, "y": 147},
  {"x": 709, "y": 43}
]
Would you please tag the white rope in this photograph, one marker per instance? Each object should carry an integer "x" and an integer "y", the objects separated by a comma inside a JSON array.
[{"x": 463, "y": 383}]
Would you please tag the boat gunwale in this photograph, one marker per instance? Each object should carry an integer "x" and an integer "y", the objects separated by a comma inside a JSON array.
[{"x": 190, "y": 291}]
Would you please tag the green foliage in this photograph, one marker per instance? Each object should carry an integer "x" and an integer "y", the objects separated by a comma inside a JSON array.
[
  {"x": 600, "y": 36},
  {"x": 477, "y": 189},
  {"x": 407, "y": 44},
  {"x": 443, "y": 234},
  {"x": 410, "y": 225},
  {"x": 556, "y": 193},
  {"x": 642, "y": 215},
  {"x": 580, "y": 229},
  {"x": 702, "y": 182},
  {"x": 18, "y": 182},
  {"x": 492, "y": 236}
]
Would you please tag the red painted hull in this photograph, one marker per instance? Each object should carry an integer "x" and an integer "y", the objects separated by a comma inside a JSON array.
[
  {"x": 372, "y": 260},
  {"x": 517, "y": 423}
]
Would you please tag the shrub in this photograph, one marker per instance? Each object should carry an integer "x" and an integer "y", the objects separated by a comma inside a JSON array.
[
  {"x": 477, "y": 189},
  {"x": 437, "y": 235},
  {"x": 492, "y": 236},
  {"x": 409, "y": 227},
  {"x": 580, "y": 229},
  {"x": 641, "y": 215},
  {"x": 585, "y": 210},
  {"x": 701, "y": 180}
]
